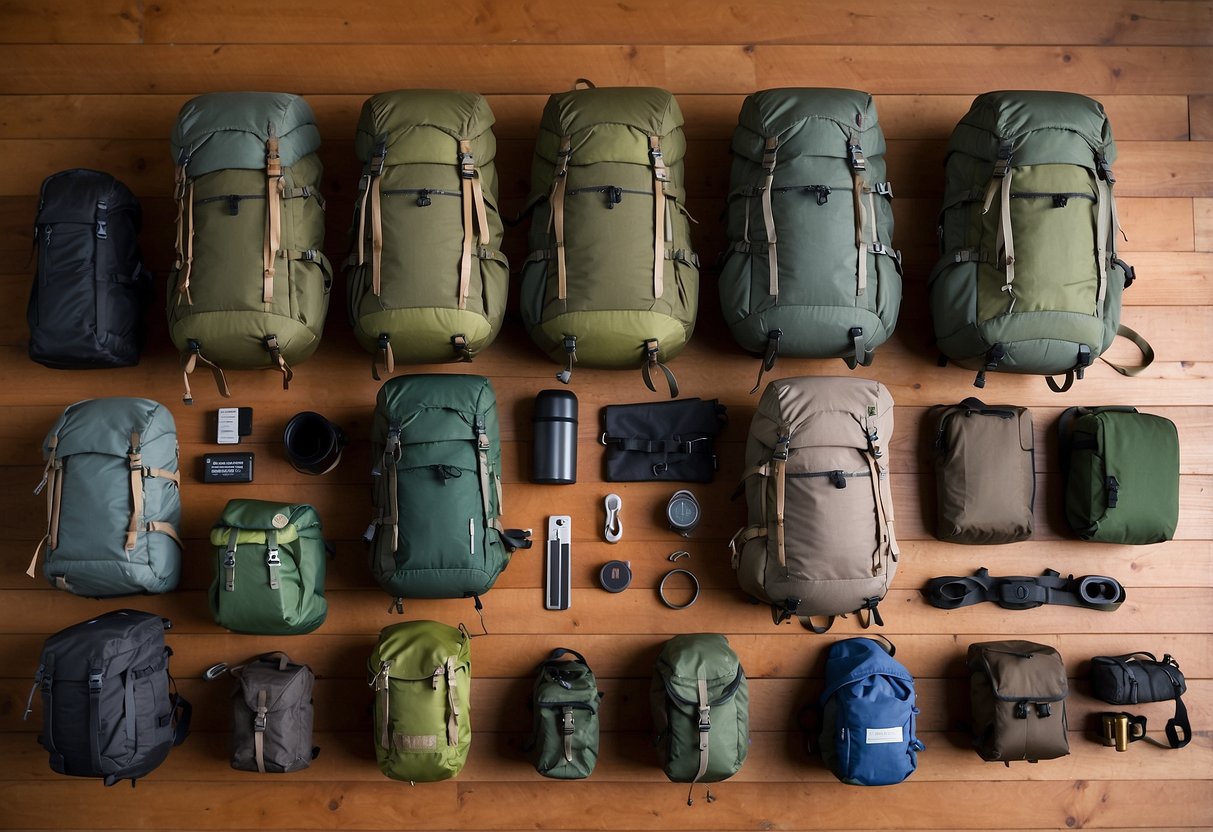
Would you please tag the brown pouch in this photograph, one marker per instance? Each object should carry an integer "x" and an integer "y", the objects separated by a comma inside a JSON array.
[{"x": 1018, "y": 691}]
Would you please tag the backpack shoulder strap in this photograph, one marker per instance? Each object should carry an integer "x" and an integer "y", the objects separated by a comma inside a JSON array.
[{"x": 1147, "y": 353}]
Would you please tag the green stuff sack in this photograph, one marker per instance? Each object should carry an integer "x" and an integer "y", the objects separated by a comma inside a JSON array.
[
  {"x": 427, "y": 280},
  {"x": 437, "y": 488},
  {"x": 564, "y": 738},
  {"x": 269, "y": 568},
  {"x": 113, "y": 502},
  {"x": 420, "y": 672},
  {"x": 811, "y": 271},
  {"x": 249, "y": 288},
  {"x": 1121, "y": 472},
  {"x": 611, "y": 280},
  {"x": 701, "y": 709},
  {"x": 1030, "y": 280}
]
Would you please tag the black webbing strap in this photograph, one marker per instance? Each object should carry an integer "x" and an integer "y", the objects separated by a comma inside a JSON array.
[
  {"x": 673, "y": 445},
  {"x": 1096, "y": 592},
  {"x": 1179, "y": 723},
  {"x": 95, "y": 678}
]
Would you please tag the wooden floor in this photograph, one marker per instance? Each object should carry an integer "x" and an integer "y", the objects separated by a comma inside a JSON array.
[{"x": 97, "y": 83}]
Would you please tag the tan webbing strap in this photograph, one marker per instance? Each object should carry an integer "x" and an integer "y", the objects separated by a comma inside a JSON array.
[
  {"x": 556, "y": 197},
  {"x": 660, "y": 176},
  {"x": 567, "y": 727},
  {"x": 259, "y": 731},
  {"x": 273, "y": 216},
  {"x": 376, "y": 235},
  {"x": 385, "y": 355},
  {"x": 391, "y": 456},
  {"x": 33, "y": 563},
  {"x": 740, "y": 539},
  {"x": 881, "y": 522},
  {"x": 1006, "y": 239},
  {"x": 163, "y": 474},
  {"x": 383, "y": 702},
  {"x": 1147, "y": 353},
  {"x": 482, "y": 466},
  {"x": 183, "y": 193},
  {"x": 858, "y": 165},
  {"x": 452, "y": 720},
  {"x": 135, "y": 459},
  {"x": 705, "y": 728},
  {"x": 467, "y": 173},
  {"x": 1103, "y": 230},
  {"x": 271, "y": 344},
  {"x": 188, "y": 362},
  {"x": 768, "y": 214},
  {"x": 165, "y": 528},
  {"x": 779, "y": 462}
]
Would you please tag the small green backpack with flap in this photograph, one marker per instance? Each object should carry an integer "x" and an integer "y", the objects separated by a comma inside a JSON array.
[{"x": 564, "y": 739}]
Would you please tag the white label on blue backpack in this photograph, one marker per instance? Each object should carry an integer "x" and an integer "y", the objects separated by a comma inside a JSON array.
[{"x": 883, "y": 735}]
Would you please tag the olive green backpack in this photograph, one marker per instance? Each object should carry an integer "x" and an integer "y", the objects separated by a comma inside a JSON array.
[
  {"x": 420, "y": 672},
  {"x": 270, "y": 562},
  {"x": 427, "y": 280},
  {"x": 811, "y": 271},
  {"x": 1030, "y": 280},
  {"x": 611, "y": 280},
  {"x": 564, "y": 737},
  {"x": 249, "y": 288}
]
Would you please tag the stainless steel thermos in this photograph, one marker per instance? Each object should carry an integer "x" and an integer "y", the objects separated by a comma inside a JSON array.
[{"x": 554, "y": 446}]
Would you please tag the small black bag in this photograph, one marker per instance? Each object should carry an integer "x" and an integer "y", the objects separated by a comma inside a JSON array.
[
  {"x": 664, "y": 441},
  {"x": 1139, "y": 677}
]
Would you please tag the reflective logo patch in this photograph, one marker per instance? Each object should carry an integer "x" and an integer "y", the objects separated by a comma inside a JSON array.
[
  {"x": 412, "y": 742},
  {"x": 883, "y": 735}
]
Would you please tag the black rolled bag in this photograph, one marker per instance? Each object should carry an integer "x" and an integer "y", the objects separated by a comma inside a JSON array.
[{"x": 1134, "y": 678}]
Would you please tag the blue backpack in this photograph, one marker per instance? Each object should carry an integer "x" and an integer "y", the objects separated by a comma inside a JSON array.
[{"x": 868, "y": 715}]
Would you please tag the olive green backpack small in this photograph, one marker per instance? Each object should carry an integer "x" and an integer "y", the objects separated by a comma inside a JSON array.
[{"x": 564, "y": 738}]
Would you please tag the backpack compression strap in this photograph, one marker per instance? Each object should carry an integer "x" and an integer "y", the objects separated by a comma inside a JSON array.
[
  {"x": 1097, "y": 592},
  {"x": 768, "y": 217},
  {"x": 660, "y": 175},
  {"x": 52, "y": 481},
  {"x": 652, "y": 348},
  {"x": 472, "y": 194},
  {"x": 183, "y": 195},
  {"x": 273, "y": 216},
  {"x": 556, "y": 218},
  {"x": 1000, "y": 182},
  {"x": 189, "y": 361},
  {"x": 705, "y": 744},
  {"x": 859, "y": 187},
  {"x": 369, "y": 186}
]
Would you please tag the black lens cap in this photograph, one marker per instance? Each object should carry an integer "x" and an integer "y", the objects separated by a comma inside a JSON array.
[{"x": 615, "y": 576}]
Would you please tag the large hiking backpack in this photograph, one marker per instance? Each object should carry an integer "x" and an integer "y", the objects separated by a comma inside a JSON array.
[
  {"x": 271, "y": 713},
  {"x": 270, "y": 562},
  {"x": 820, "y": 535},
  {"x": 1030, "y": 280},
  {"x": 421, "y": 673},
  {"x": 1018, "y": 692},
  {"x": 109, "y": 706},
  {"x": 811, "y": 271},
  {"x": 437, "y": 533},
  {"x": 869, "y": 714},
  {"x": 250, "y": 284},
  {"x": 90, "y": 290},
  {"x": 427, "y": 280},
  {"x": 611, "y": 280},
  {"x": 564, "y": 736},
  {"x": 701, "y": 709},
  {"x": 113, "y": 505}
]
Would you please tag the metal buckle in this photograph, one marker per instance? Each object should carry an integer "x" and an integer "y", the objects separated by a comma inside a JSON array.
[
  {"x": 94, "y": 682},
  {"x": 271, "y": 556},
  {"x": 855, "y": 156},
  {"x": 259, "y": 723}
]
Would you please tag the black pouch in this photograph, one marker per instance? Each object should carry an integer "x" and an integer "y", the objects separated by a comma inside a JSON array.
[
  {"x": 1139, "y": 677},
  {"x": 664, "y": 441}
]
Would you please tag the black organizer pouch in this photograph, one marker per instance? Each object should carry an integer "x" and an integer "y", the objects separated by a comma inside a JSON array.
[
  {"x": 1135, "y": 678},
  {"x": 671, "y": 441}
]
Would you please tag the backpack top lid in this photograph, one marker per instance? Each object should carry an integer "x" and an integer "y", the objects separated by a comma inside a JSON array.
[
  {"x": 106, "y": 425},
  {"x": 1049, "y": 119},
  {"x": 611, "y": 124},
  {"x": 229, "y": 130},
  {"x": 853, "y": 659},
  {"x": 403, "y": 116},
  {"x": 259, "y": 516},
  {"x": 814, "y": 115},
  {"x": 102, "y": 638},
  {"x": 823, "y": 411},
  {"x": 420, "y": 402},
  {"x": 699, "y": 656},
  {"x": 415, "y": 647},
  {"x": 73, "y": 195},
  {"x": 1021, "y": 670}
]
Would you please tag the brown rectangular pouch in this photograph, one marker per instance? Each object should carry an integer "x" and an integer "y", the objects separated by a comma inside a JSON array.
[{"x": 1018, "y": 691}]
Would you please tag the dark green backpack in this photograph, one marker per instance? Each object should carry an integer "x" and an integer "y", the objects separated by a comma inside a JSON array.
[
  {"x": 269, "y": 568},
  {"x": 611, "y": 280},
  {"x": 437, "y": 533},
  {"x": 1030, "y": 280},
  {"x": 1121, "y": 471},
  {"x": 811, "y": 271},
  {"x": 564, "y": 738},
  {"x": 250, "y": 284},
  {"x": 701, "y": 709},
  {"x": 427, "y": 280}
]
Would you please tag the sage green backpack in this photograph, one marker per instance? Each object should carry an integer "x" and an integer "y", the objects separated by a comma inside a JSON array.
[
  {"x": 811, "y": 271},
  {"x": 611, "y": 280},
  {"x": 437, "y": 532},
  {"x": 249, "y": 288},
  {"x": 269, "y": 568},
  {"x": 113, "y": 501},
  {"x": 427, "y": 280},
  {"x": 701, "y": 709},
  {"x": 421, "y": 673},
  {"x": 564, "y": 737},
  {"x": 1030, "y": 280}
]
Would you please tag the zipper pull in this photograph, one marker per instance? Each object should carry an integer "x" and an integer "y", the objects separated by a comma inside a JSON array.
[
  {"x": 439, "y": 671},
  {"x": 29, "y": 703},
  {"x": 838, "y": 479},
  {"x": 46, "y": 236}
]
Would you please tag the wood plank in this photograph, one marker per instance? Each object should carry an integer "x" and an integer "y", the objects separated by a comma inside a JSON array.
[
  {"x": 1201, "y": 117},
  {"x": 548, "y": 21},
  {"x": 70, "y": 21},
  {"x": 1203, "y": 224},
  {"x": 523, "y": 69}
]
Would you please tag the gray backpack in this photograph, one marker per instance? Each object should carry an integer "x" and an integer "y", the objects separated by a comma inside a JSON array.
[
  {"x": 820, "y": 535},
  {"x": 811, "y": 270},
  {"x": 112, "y": 501},
  {"x": 271, "y": 713}
]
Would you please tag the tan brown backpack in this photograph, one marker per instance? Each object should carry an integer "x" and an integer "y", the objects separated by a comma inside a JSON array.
[
  {"x": 1018, "y": 691},
  {"x": 820, "y": 536}
]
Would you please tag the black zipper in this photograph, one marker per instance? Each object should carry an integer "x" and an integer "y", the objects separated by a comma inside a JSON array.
[
  {"x": 1059, "y": 199},
  {"x": 837, "y": 478},
  {"x": 823, "y": 191},
  {"x": 423, "y": 194},
  {"x": 612, "y": 193},
  {"x": 233, "y": 201}
]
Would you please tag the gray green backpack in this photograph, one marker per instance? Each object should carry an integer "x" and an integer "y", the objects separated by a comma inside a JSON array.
[
  {"x": 427, "y": 280},
  {"x": 811, "y": 271},
  {"x": 1030, "y": 280},
  {"x": 820, "y": 539},
  {"x": 1121, "y": 471},
  {"x": 271, "y": 714},
  {"x": 437, "y": 488},
  {"x": 564, "y": 737},
  {"x": 701, "y": 710},
  {"x": 113, "y": 504},
  {"x": 1018, "y": 694},
  {"x": 270, "y": 562},
  {"x": 611, "y": 280},
  {"x": 421, "y": 675},
  {"x": 250, "y": 283}
]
